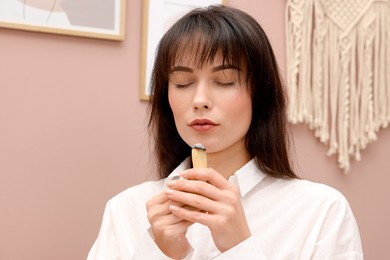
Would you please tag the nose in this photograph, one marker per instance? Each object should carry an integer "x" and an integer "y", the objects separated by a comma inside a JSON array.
[{"x": 202, "y": 97}]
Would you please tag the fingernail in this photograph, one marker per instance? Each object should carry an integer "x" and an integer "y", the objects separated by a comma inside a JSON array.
[{"x": 171, "y": 183}]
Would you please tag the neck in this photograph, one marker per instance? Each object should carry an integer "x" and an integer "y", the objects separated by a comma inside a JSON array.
[{"x": 228, "y": 161}]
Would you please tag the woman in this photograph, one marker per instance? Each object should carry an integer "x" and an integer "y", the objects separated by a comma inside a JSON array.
[{"x": 216, "y": 82}]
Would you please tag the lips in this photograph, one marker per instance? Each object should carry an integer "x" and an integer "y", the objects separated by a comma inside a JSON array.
[{"x": 202, "y": 125}]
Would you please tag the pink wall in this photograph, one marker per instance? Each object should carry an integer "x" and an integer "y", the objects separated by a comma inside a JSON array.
[{"x": 72, "y": 135}]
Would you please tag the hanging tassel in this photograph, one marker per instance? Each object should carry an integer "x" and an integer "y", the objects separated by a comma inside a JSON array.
[{"x": 338, "y": 71}]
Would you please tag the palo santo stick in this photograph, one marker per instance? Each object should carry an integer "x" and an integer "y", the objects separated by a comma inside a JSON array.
[{"x": 199, "y": 158}]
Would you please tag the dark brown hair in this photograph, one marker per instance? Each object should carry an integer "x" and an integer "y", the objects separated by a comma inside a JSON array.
[{"x": 202, "y": 33}]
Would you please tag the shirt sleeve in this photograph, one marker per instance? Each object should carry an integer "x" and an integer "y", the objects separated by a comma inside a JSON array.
[
  {"x": 148, "y": 249},
  {"x": 247, "y": 249},
  {"x": 339, "y": 236},
  {"x": 105, "y": 246},
  {"x": 110, "y": 246}
]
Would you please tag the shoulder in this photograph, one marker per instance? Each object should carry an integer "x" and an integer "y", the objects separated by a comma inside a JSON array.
[
  {"x": 321, "y": 201},
  {"x": 310, "y": 186},
  {"x": 332, "y": 220},
  {"x": 313, "y": 189},
  {"x": 319, "y": 204},
  {"x": 309, "y": 194},
  {"x": 319, "y": 191}
]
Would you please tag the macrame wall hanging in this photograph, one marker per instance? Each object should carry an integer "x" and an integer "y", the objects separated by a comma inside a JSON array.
[{"x": 338, "y": 71}]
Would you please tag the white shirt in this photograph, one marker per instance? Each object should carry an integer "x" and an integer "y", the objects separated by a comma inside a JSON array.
[{"x": 288, "y": 219}]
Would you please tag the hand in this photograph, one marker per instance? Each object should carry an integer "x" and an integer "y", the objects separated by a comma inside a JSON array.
[
  {"x": 169, "y": 231},
  {"x": 219, "y": 205}
]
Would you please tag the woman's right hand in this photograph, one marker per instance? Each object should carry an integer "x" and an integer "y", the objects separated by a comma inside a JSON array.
[{"x": 168, "y": 230}]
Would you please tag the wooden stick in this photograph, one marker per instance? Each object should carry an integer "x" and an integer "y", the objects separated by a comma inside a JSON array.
[{"x": 199, "y": 158}]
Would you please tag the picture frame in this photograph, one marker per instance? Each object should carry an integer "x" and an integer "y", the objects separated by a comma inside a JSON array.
[
  {"x": 102, "y": 19},
  {"x": 157, "y": 17}
]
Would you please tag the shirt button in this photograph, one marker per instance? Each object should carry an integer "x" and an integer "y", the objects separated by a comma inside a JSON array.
[{"x": 204, "y": 257}]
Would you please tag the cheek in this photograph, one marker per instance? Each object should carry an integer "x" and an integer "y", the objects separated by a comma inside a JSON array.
[
  {"x": 176, "y": 104},
  {"x": 172, "y": 100},
  {"x": 242, "y": 110}
]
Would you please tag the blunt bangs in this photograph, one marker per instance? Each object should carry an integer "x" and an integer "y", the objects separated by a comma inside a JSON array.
[{"x": 200, "y": 36}]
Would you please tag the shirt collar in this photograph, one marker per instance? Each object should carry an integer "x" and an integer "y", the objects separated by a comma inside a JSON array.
[
  {"x": 245, "y": 178},
  {"x": 181, "y": 167}
]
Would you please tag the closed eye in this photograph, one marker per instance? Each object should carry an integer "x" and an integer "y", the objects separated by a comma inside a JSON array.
[
  {"x": 225, "y": 84},
  {"x": 183, "y": 85}
]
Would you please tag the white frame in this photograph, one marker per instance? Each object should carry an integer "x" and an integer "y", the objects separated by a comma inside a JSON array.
[
  {"x": 15, "y": 21},
  {"x": 157, "y": 17}
]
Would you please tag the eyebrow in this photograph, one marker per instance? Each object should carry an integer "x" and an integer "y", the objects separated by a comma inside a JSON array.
[
  {"x": 215, "y": 69},
  {"x": 182, "y": 68}
]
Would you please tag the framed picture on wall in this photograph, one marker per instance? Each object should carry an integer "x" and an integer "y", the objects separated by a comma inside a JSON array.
[
  {"x": 103, "y": 19},
  {"x": 158, "y": 16}
]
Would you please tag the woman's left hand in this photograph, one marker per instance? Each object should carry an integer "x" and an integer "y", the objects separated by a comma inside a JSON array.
[{"x": 219, "y": 205}]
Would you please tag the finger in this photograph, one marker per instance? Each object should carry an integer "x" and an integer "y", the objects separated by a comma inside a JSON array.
[
  {"x": 202, "y": 188},
  {"x": 159, "y": 199},
  {"x": 157, "y": 211},
  {"x": 163, "y": 219},
  {"x": 190, "y": 216},
  {"x": 207, "y": 175},
  {"x": 182, "y": 205},
  {"x": 183, "y": 224},
  {"x": 206, "y": 188},
  {"x": 158, "y": 206},
  {"x": 199, "y": 202}
]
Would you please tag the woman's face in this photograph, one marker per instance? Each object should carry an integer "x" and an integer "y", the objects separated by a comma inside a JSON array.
[{"x": 211, "y": 105}]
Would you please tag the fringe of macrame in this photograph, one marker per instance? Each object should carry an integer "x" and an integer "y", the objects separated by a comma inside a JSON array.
[{"x": 339, "y": 80}]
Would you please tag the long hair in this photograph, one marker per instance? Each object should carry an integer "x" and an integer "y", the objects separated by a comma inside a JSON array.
[{"x": 201, "y": 34}]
